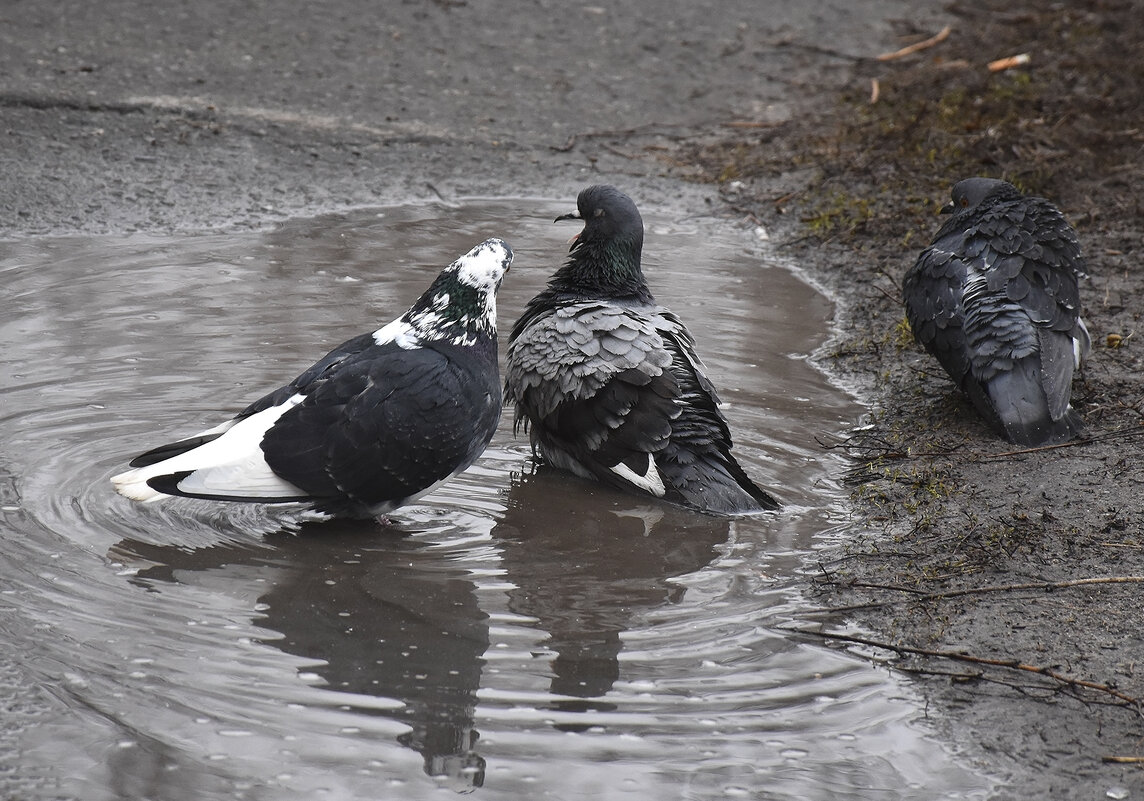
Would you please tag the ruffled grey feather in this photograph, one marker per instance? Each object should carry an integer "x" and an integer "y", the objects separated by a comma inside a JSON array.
[{"x": 995, "y": 299}]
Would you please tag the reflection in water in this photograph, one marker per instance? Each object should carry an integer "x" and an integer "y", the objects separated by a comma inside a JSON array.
[
  {"x": 349, "y": 661},
  {"x": 399, "y": 618},
  {"x": 385, "y": 616},
  {"x": 400, "y": 622},
  {"x": 585, "y": 571}
]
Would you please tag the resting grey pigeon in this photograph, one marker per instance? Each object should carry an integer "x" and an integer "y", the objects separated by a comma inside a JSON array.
[
  {"x": 608, "y": 382},
  {"x": 381, "y": 420},
  {"x": 995, "y": 299}
]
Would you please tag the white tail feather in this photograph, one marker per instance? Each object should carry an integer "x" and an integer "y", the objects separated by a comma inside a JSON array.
[
  {"x": 651, "y": 482},
  {"x": 233, "y": 464}
]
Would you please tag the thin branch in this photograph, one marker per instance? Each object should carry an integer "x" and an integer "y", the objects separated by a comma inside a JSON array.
[
  {"x": 909, "y": 50},
  {"x": 1039, "y": 448},
  {"x": 1012, "y": 664},
  {"x": 919, "y": 596},
  {"x": 980, "y": 675},
  {"x": 885, "y": 451},
  {"x": 870, "y": 585},
  {"x": 617, "y": 152},
  {"x": 624, "y": 133},
  {"x": 892, "y": 297},
  {"x": 1116, "y": 433}
]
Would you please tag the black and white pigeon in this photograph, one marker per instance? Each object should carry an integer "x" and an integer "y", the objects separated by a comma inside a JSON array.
[
  {"x": 378, "y": 422},
  {"x": 607, "y": 382},
  {"x": 995, "y": 300}
]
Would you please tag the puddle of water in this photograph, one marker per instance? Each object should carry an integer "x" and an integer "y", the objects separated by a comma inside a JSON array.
[{"x": 521, "y": 632}]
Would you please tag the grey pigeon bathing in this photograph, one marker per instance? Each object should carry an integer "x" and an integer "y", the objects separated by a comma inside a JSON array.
[
  {"x": 378, "y": 422},
  {"x": 995, "y": 299},
  {"x": 608, "y": 382}
]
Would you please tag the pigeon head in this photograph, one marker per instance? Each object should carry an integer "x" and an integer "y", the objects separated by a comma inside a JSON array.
[
  {"x": 972, "y": 192},
  {"x": 605, "y": 257},
  {"x": 483, "y": 267},
  {"x": 607, "y": 214},
  {"x": 460, "y": 306}
]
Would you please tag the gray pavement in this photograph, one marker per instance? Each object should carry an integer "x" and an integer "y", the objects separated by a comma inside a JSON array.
[{"x": 125, "y": 115}]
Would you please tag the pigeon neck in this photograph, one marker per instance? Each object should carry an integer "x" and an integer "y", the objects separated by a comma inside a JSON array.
[
  {"x": 454, "y": 312},
  {"x": 604, "y": 269}
]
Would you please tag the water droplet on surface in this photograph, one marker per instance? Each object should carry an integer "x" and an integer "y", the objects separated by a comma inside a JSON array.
[{"x": 502, "y": 598}]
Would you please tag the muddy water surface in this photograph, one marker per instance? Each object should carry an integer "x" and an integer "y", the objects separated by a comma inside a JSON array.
[{"x": 517, "y": 634}]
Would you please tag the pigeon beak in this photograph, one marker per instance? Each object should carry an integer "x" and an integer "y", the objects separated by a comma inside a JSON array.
[
  {"x": 574, "y": 215},
  {"x": 947, "y": 208}
]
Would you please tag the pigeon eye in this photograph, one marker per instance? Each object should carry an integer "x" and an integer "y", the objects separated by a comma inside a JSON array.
[
  {"x": 964, "y": 202},
  {"x": 598, "y": 213}
]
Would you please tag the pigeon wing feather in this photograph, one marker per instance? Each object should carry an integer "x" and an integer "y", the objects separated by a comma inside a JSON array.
[
  {"x": 380, "y": 429},
  {"x": 598, "y": 378}
]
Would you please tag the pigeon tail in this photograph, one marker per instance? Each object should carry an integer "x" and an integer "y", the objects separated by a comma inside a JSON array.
[
  {"x": 712, "y": 483},
  {"x": 1017, "y": 406},
  {"x": 230, "y": 466}
]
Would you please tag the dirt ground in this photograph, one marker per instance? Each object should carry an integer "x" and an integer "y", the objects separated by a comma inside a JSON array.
[{"x": 1008, "y": 581}]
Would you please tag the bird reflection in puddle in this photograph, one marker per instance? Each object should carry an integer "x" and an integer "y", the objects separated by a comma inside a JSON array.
[
  {"x": 587, "y": 572},
  {"x": 401, "y": 617}
]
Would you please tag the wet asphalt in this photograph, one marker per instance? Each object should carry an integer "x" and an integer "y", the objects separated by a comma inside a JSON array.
[{"x": 164, "y": 116}]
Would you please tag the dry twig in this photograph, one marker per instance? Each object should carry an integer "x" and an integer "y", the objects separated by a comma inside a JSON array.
[
  {"x": 909, "y": 50},
  {"x": 982, "y": 676},
  {"x": 1012, "y": 664},
  {"x": 885, "y": 451},
  {"x": 751, "y": 124},
  {"x": 922, "y": 596},
  {"x": 622, "y": 133}
]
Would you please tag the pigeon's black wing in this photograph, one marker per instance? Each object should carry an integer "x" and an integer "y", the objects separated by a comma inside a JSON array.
[
  {"x": 386, "y": 423},
  {"x": 330, "y": 361},
  {"x": 592, "y": 381},
  {"x": 1030, "y": 256},
  {"x": 1022, "y": 316},
  {"x": 617, "y": 393},
  {"x": 164, "y": 452},
  {"x": 697, "y": 463},
  {"x": 933, "y": 290}
]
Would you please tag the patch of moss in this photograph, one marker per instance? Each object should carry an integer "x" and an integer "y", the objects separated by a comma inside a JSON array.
[
  {"x": 903, "y": 335},
  {"x": 838, "y": 212}
]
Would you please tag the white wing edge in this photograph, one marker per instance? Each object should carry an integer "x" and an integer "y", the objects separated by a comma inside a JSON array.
[{"x": 233, "y": 464}]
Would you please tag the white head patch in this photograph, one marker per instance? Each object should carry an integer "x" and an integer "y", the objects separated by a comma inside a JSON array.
[
  {"x": 459, "y": 306},
  {"x": 484, "y": 266}
]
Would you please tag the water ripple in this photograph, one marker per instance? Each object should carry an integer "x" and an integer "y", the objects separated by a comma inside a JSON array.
[{"x": 518, "y": 630}]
